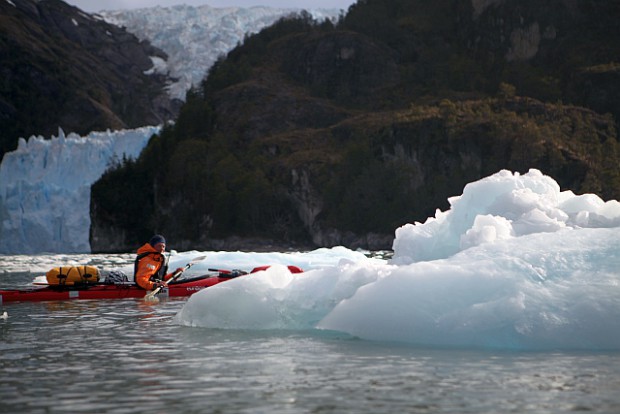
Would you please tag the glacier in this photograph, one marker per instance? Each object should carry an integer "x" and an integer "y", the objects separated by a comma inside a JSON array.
[
  {"x": 194, "y": 37},
  {"x": 45, "y": 187}
]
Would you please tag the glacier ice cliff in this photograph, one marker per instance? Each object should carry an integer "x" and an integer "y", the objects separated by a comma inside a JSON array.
[{"x": 45, "y": 188}]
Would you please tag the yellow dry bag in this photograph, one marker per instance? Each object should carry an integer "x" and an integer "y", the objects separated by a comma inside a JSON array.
[{"x": 72, "y": 275}]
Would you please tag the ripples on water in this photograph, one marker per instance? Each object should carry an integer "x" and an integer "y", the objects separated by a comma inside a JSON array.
[{"x": 126, "y": 356}]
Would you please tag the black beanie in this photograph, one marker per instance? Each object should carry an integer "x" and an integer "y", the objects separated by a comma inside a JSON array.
[{"x": 158, "y": 238}]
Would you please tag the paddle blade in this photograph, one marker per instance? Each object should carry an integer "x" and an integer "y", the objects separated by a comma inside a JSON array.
[
  {"x": 197, "y": 259},
  {"x": 152, "y": 296}
]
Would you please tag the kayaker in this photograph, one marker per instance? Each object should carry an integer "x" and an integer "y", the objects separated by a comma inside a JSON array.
[{"x": 150, "y": 266}]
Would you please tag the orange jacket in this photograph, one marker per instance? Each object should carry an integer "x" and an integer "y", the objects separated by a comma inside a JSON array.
[{"x": 149, "y": 266}]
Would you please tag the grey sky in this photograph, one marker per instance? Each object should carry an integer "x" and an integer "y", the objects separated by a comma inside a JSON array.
[{"x": 97, "y": 5}]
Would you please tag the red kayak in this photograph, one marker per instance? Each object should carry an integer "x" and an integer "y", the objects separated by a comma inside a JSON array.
[
  {"x": 180, "y": 288},
  {"x": 104, "y": 291}
]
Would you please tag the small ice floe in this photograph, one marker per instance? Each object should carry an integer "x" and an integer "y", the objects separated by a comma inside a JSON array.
[{"x": 4, "y": 316}]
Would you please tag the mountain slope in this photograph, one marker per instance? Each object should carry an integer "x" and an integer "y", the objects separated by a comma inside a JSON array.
[
  {"x": 64, "y": 68},
  {"x": 330, "y": 134}
]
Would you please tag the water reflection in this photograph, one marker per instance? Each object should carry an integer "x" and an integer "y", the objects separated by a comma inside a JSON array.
[{"x": 126, "y": 356}]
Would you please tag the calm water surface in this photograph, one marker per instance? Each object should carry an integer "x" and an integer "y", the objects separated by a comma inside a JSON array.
[{"x": 127, "y": 356}]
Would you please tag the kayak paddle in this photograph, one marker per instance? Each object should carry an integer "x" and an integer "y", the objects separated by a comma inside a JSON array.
[{"x": 150, "y": 297}]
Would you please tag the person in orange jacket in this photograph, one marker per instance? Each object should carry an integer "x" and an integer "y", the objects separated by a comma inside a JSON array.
[{"x": 150, "y": 266}]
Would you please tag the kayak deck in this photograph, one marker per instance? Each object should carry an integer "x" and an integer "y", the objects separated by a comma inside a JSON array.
[{"x": 105, "y": 291}]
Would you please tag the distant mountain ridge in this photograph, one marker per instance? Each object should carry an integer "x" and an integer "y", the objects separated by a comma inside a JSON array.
[{"x": 194, "y": 37}]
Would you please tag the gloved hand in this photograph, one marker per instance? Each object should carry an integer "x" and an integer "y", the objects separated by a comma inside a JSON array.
[
  {"x": 158, "y": 284},
  {"x": 179, "y": 270}
]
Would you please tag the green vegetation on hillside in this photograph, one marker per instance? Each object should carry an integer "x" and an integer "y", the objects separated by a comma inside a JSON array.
[{"x": 325, "y": 133}]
